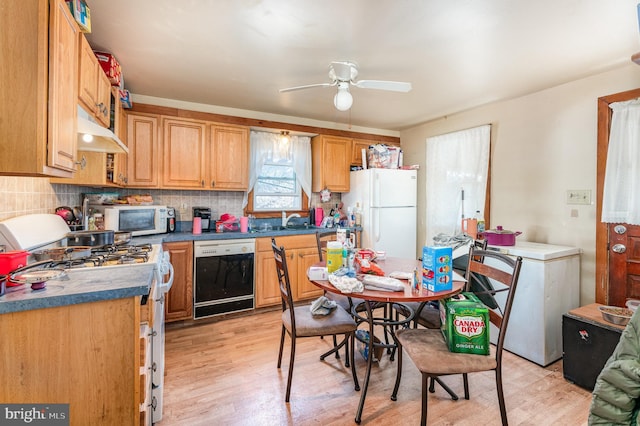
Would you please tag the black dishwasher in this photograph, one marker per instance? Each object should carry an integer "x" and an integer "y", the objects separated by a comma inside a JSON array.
[{"x": 223, "y": 276}]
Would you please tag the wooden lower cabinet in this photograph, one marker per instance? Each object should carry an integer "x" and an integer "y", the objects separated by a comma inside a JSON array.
[
  {"x": 302, "y": 252},
  {"x": 85, "y": 355},
  {"x": 179, "y": 299}
]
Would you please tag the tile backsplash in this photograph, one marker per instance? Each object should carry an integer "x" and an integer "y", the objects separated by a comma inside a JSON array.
[{"x": 27, "y": 195}]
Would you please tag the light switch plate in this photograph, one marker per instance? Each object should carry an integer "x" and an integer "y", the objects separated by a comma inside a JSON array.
[{"x": 579, "y": 196}]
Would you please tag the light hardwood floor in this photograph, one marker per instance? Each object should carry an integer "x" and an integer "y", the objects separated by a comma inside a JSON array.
[{"x": 224, "y": 372}]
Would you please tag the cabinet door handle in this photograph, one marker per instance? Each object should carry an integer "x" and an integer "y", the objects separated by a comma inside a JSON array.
[
  {"x": 213, "y": 183},
  {"x": 202, "y": 183},
  {"x": 82, "y": 163}
]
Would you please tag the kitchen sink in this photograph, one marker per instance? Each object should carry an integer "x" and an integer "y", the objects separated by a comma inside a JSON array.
[{"x": 293, "y": 227}]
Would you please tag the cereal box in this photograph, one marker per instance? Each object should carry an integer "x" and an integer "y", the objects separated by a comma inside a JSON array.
[
  {"x": 437, "y": 272},
  {"x": 81, "y": 13},
  {"x": 110, "y": 66},
  {"x": 465, "y": 324}
]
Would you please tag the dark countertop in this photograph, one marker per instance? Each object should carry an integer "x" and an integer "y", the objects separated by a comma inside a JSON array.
[
  {"x": 82, "y": 286},
  {"x": 208, "y": 236},
  {"x": 95, "y": 284}
]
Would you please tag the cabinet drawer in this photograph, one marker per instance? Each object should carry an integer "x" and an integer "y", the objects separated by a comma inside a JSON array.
[{"x": 289, "y": 242}]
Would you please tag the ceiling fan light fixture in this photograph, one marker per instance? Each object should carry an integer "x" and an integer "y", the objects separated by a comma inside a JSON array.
[{"x": 343, "y": 99}]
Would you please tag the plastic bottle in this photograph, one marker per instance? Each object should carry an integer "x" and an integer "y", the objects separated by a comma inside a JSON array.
[
  {"x": 358, "y": 220},
  {"x": 480, "y": 219},
  {"x": 99, "y": 222}
]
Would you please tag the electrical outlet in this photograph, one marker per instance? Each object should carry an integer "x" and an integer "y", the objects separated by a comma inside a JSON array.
[{"x": 579, "y": 196}]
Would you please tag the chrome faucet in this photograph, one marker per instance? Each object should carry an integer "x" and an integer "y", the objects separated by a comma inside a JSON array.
[{"x": 286, "y": 219}]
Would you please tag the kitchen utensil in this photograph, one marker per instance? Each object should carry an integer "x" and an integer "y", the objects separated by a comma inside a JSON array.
[
  {"x": 66, "y": 213},
  {"x": 38, "y": 278},
  {"x": 90, "y": 238},
  {"x": 616, "y": 315},
  {"x": 3, "y": 284},
  {"x": 77, "y": 212},
  {"x": 62, "y": 253},
  {"x": 500, "y": 237},
  {"x": 121, "y": 237}
]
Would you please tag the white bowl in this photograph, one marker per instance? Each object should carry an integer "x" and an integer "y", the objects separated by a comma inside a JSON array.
[{"x": 632, "y": 304}]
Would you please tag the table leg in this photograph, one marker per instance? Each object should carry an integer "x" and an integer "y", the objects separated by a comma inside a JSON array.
[{"x": 365, "y": 384}]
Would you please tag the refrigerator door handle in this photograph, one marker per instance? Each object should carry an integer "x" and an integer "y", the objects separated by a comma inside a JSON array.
[{"x": 375, "y": 216}]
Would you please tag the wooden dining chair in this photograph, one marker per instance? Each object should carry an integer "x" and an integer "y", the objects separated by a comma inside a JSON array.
[
  {"x": 428, "y": 350},
  {"x": 322, "y": 238},
  {"x": 427, "y": 314},
  {"x": 298, "y": 322}
]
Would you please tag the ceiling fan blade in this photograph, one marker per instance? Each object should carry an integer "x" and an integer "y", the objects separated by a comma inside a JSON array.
[
  {"x": 308, "y": 86},
  {"x": 395, "y": 86}
]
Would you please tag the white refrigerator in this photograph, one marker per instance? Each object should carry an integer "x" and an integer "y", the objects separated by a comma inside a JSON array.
[{"x": 387, "y": 201}]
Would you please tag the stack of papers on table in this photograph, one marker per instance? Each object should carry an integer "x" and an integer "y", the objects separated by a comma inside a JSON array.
[{"x": 374, "y": 282}]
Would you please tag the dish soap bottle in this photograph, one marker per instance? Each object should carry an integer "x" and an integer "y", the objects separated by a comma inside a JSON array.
[{"x": 480, "y": 219}]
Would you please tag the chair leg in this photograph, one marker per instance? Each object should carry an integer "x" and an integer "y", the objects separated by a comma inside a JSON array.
[
  {"x": 503, "y": 408},
  {"x": 335, "y": 343},
  {"x": 465, "y": 381},
  {"x": 335, "y": 348},
  {"x": 352, "y": 360},
  {"x": 432, "y": 387},
  {"x": 293, "y": 357},
  {"x": 281, "y": 347},
  {"x": 425, "y": 395},
  {"x": 346, "y": 350},
  {"x": 394, "y": 394}
]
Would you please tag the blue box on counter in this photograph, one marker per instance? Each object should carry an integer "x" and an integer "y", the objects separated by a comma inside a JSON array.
[{"x": 437, "y": 268}]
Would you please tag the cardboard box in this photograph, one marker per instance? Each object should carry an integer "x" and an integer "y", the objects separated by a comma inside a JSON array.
[
  {"x": 465, "y": 324},
  {"x": 381, "y": 156},
  {"x": 81, "y": 14},
  {"x": 110, "y": 66},
  {"x": 125, "y": 99},
  {"x": 437, "y": 268}
]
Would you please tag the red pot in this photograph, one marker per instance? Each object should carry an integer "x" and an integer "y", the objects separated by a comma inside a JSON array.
[{"x": 500, "y": 237}]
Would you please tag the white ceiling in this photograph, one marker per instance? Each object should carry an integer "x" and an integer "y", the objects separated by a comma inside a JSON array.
[{"x": 458, "y": 54}]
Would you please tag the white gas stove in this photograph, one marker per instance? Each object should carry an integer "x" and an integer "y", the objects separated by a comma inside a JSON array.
[{"x": 41, "y": 232}]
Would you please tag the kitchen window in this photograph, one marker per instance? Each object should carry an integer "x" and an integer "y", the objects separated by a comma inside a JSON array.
[
  {"x": 280, "y": 174},
  {"x": 277, "y": 188}
]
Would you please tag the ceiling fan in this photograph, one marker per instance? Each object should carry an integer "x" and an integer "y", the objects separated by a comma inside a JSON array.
[{"x": 343, "y": 74}]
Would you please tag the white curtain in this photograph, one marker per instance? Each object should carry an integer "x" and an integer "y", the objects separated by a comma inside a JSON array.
[
  {"x": 621, "y": 193},
  {"x": 265, "y": 146},
  {"x": 456, "y": 162}
]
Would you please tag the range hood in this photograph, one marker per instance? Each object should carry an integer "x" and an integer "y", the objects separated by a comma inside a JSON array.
[{"x": 94, "y": 137}]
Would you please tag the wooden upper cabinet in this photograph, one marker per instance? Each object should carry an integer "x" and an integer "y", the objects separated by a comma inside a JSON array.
[
  {"x": 331, "y": 157},
  {"x": 94, "y": 88},
  {"x": 38, "y": 74},
  {"x": 183, "y": 161},
  {"x": 63, "y": 91},
  {"x": 144, "y": 150},
  {"x": 229, "y": 158}
]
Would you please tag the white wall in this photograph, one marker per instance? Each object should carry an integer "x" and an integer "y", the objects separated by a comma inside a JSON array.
[{"x": 542, "y": 145}]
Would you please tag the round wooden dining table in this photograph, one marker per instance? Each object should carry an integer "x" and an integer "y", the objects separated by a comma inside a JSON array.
[{"x": 376, "y": 298}]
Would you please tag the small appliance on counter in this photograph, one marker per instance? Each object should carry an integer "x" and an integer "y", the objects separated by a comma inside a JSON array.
[
  {"x": 171, "y": 219},
  {"x": 204, "y": 213}
]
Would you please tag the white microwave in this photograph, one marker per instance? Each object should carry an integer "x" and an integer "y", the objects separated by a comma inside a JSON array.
[{"x": 139, "y": 220}]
